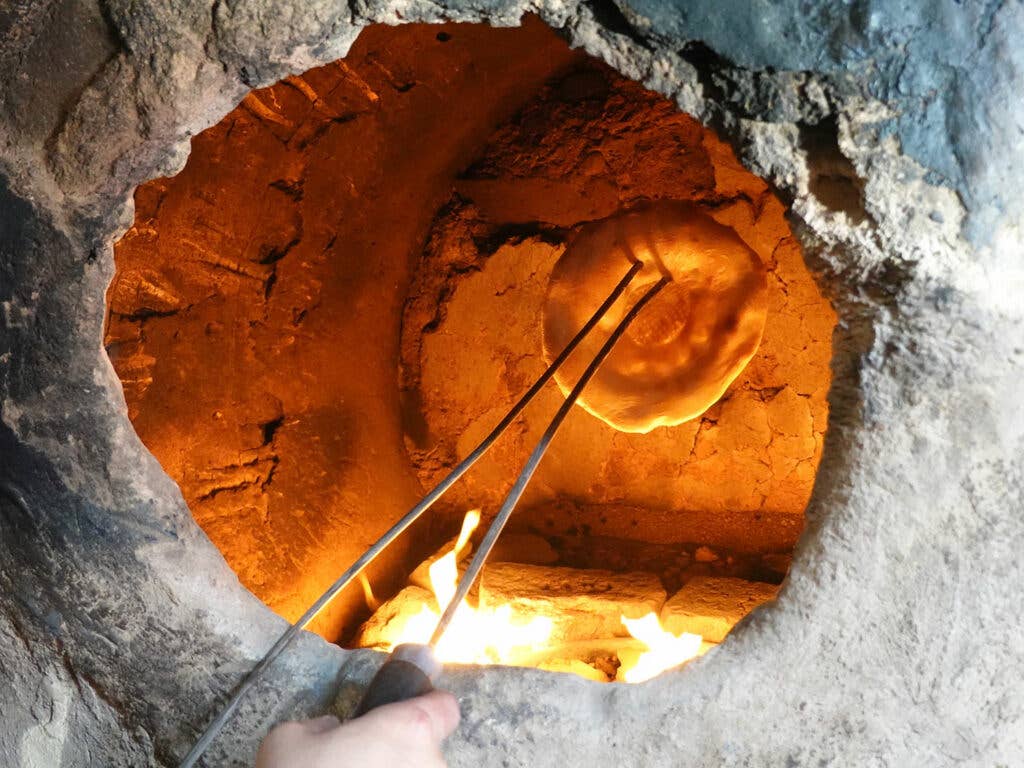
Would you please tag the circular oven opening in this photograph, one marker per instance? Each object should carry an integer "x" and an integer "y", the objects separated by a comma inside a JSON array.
[{"x": 345, "y": 289}]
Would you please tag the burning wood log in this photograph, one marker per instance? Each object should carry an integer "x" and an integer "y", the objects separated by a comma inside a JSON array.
[
  {"x": 600, "y": 624},
  {"x": 583, "y": 604},
  {"x": 710, "y": 606},
  {"x": 396, "y": 618},
  {"x": 575, "y": 667},
  {"x": 599, "y": 660},
  {"x": 511, "y": 547},
  {"x": 420, "y": 577},
  {"x": 632, "y": 656}
]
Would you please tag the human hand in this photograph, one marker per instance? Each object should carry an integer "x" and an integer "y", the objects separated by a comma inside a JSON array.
[{"x": 403, "y": 735}]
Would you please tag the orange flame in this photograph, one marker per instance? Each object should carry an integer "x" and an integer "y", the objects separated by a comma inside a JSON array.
[
  {"x": 475, "y": 636},
  {"x": 664, "y": 650},
  {"x": 494, "y": 636}
]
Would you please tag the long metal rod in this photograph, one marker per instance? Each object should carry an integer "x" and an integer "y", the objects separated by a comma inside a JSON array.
[
  {"x": 222, "y": 719},
  {"x": 509, "y": 505}
]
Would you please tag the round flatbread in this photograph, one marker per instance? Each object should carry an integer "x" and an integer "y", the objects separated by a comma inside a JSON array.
[{"x": 693, "y": 339}]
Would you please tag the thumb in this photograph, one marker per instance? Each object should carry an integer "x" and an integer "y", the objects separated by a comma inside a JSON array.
[{"x": 427, "y": 719}]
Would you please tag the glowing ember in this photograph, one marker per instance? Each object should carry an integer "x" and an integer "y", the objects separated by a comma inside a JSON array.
[
  {"x": 664, "y": 650},
  {"x": 475, "y": 636}
]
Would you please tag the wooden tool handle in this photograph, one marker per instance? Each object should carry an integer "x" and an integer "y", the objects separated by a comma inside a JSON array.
[{"x": 409, "y": 672}]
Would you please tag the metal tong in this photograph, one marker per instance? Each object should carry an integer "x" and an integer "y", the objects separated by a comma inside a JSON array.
[{"x": 411, "y": 669}]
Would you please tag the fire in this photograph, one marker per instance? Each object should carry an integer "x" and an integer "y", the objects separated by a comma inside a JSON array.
[
  {"x": 475, "y": 636},
  {"x": 664, "y": 650},
  {"x": 493, "y": 635}
]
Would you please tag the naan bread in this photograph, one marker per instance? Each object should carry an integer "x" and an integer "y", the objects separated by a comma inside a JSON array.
[{"x": 693, "y": 339}]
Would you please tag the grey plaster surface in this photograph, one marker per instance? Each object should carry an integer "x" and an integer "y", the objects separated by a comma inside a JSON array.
[{"x": 895, "y": 131}]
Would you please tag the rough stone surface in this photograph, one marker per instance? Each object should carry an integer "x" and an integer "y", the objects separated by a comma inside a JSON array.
[
  {"x": 523, "y": 548},
  {"x": 893, "y": 132},
  {"x": 711, "y": 607}
]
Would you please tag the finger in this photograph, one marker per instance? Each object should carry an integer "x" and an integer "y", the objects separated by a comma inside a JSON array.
[
  {"x": 322, "y": 724},
  {"x": 443, "y": 709},
  {"x": 427, "y": 719}
]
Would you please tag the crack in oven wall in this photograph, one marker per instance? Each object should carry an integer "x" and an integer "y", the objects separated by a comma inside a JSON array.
[{"x": 342, "y": 292}]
